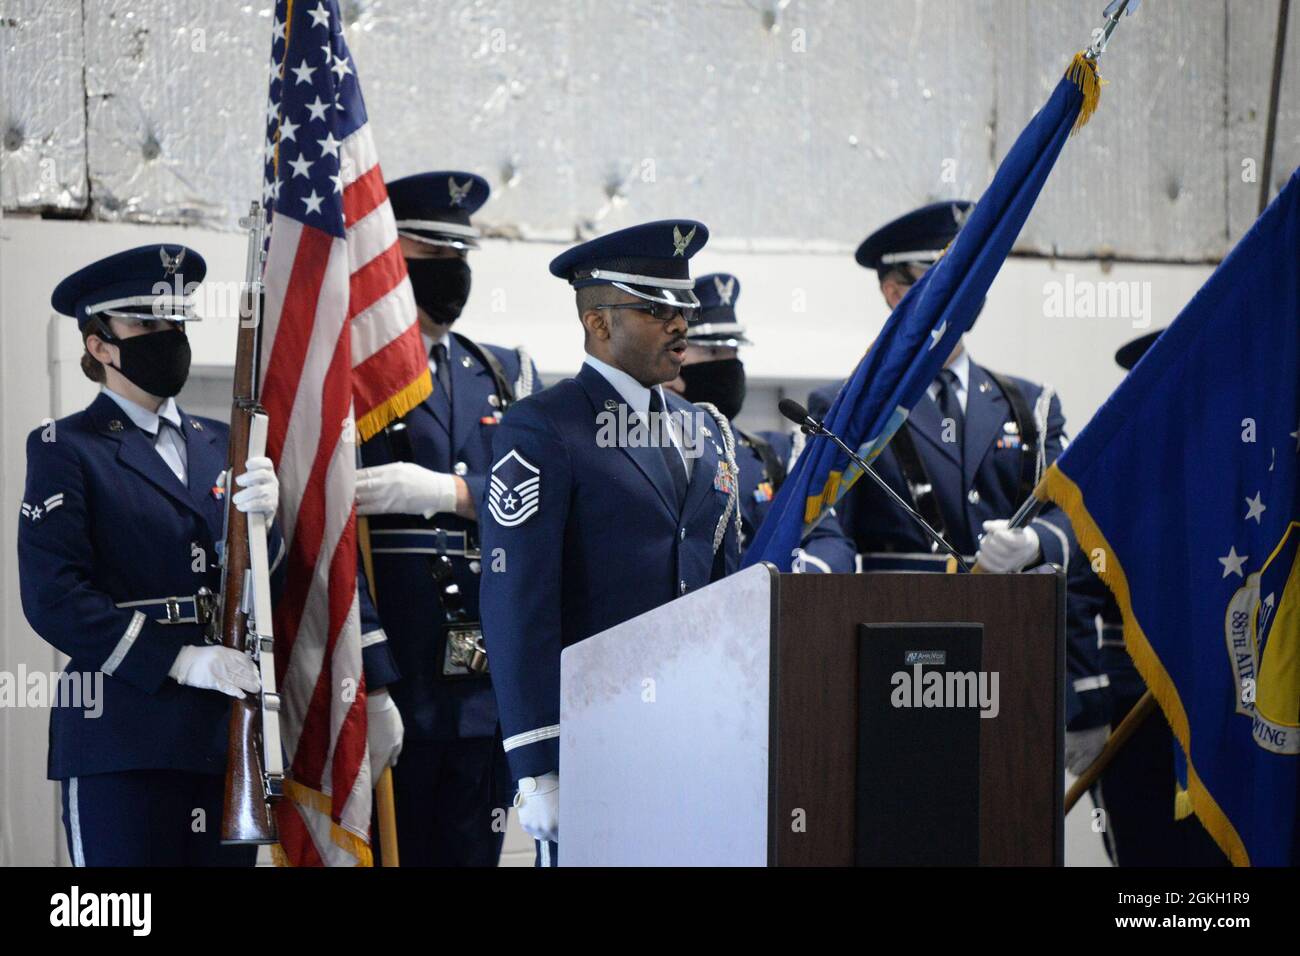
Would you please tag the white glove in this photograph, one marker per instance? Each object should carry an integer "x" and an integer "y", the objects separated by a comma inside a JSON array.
[
  {"x": 1005, "y": 550},
  {"x": 403, "y": 487},
  {"x": 538, "y": 803},
  {"x": 261, "y": 494},
  {"x": 216, "y": 667},
  {"x": 1082, "y": 747},
  {"x": 384, "y": 732}
]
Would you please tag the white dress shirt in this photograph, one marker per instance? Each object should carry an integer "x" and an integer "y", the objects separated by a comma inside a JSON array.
[
  {"x": 168, "y": 441},
  {"x": 961, "y": 368},
  {"x": 637, "y": 397},
  {"x": 429, "y": 343}
]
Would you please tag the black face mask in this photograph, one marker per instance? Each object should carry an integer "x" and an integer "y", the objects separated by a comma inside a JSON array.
[
  {"x": 158, "y": 362},
  {"x": 441, "y": 287},
  {"x": 721, "y": 382}
]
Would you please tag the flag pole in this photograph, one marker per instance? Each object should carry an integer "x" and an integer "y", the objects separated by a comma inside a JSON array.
[
  {"x": 1112, "y": 13},
  {"x": 1139, "y": 712},
  {"x": 1032, "y": 505},
  {"x": 1270, "y": 132}
]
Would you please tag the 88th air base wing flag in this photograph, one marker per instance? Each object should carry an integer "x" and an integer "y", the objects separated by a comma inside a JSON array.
[
  {"x": 344, "y": 359},
  {"x": 1184, "y": 492}
]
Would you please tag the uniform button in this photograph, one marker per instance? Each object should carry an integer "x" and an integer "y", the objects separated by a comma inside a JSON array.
[
  {"x": 493, "y": 400},
  {"x": 973, "y": 496},
  {"x": 682, "y": 585},
  {"x": 461, "y": 468},
  {"x": 475, "y": 567},
  {"x": 681, "y": 535}
]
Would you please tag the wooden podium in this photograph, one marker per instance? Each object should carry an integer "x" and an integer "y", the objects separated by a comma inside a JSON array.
[{"x": 821, "y": 720}]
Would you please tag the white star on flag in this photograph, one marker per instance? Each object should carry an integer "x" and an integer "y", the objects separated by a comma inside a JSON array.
[
  {"x": 313, "y": 202},
  {"x": 341, "y": 66},
  {"x": 303, "y": 72},
  {"x": 301, "y": 166},
  {"x": 937, "y": 334},
  {"x": 320, "y": 17},
  {"x": 1232, "y": 562},
  {"x": 1257, "y": 508},
  {"x": 329, "y": 146},
  {"x": 317, "y": 109},
  {"x": 287, "y": 129}
]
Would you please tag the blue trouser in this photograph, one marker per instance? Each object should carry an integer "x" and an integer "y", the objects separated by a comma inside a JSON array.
[
  {"x": 1137, "y": 793},
  {"x": 451, "y": 802},
  {"x": 148, "y": 818}
]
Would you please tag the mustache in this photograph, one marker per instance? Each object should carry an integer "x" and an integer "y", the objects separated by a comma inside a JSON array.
[{"x": 681, "y": 340}]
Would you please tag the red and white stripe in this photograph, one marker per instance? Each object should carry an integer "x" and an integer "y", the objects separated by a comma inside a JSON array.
[{"x": 340, "y": 338}]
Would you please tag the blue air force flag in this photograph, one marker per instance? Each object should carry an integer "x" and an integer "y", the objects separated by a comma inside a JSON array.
[
  {"x": 922, "y": 331},
  {"x": 1184, "y": 492}
]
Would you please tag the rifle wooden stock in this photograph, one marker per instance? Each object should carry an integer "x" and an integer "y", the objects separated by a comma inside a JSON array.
[{"x": 246, "y": 814}]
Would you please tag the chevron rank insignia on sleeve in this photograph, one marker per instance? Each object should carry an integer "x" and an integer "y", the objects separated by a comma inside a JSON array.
[
  {"x": 39, "y": 510},
  {"x": 514, "y": 490}
]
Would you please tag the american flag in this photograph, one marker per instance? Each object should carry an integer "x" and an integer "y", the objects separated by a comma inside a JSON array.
[{"x": 341, "y": 357}]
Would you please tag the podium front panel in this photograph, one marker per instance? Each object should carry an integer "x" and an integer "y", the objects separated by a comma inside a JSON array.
[
  {"x": 664, "y": 724},
  {"x": 816, "y": 719}
]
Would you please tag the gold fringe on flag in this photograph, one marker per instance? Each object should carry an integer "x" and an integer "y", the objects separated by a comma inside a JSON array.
[
  {"x": 1056, "y": 486},
  {"x": 1082, "y": 72},
  {"x": 393, "y": 408},
  {"x": 319, "y": 802}
]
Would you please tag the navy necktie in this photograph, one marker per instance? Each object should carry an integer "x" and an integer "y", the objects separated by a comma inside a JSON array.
[
  {"x": 443, "y": 369},
  {"x": 659, "y": 426},
  {"x": 950, "y": 404}
]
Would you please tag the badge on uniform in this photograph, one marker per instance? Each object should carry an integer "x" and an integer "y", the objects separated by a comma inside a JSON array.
[
  {"x": 724, "y": 479},
  {"x": 42, "y": 508},
  {"x": 763, "y": 492},
  {"x": 514, "y": 490},
  {"x": 219, "y": 486}
]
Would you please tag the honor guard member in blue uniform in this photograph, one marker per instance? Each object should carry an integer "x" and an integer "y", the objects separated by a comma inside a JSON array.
[
  {"x": 971, "y": 450},
  {"x": 713, "y": 372},
  {"x": 117, "y": 558},
  {"x": 601, "y": 506},
  {"x": 423, "y": 479},
  {"x": 1137, "y": 792}
]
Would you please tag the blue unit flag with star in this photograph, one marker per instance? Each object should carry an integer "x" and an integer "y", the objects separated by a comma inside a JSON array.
[
  {"x": 927, "y": 324},
  {"x": 1184, "y": 492}
]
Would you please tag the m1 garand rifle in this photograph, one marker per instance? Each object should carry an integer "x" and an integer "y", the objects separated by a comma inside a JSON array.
[{"x": 254, "y": 760}]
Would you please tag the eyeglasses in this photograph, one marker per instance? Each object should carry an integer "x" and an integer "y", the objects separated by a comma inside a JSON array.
[{"x": 659, "y": 311}]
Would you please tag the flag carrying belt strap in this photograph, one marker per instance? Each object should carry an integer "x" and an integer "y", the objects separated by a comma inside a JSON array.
[
  {"x": 919, "y": 486},
  {"x": 1029, "y": 436},
  {"x": 504, "y": 389},
  {"x": 917, "y": 478},
  {"x": 773, "y": 467}
]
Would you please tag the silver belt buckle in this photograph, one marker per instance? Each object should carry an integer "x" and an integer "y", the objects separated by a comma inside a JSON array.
[{"x": 464, "y": 655}]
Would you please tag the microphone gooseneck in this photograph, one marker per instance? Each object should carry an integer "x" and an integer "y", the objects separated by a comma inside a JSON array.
[{"x": 811, "y": 426}]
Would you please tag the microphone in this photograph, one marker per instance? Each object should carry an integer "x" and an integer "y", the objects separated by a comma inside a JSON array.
[
  {"x": 811, "y": 426},
  {"x": 799, "y": 415}
]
